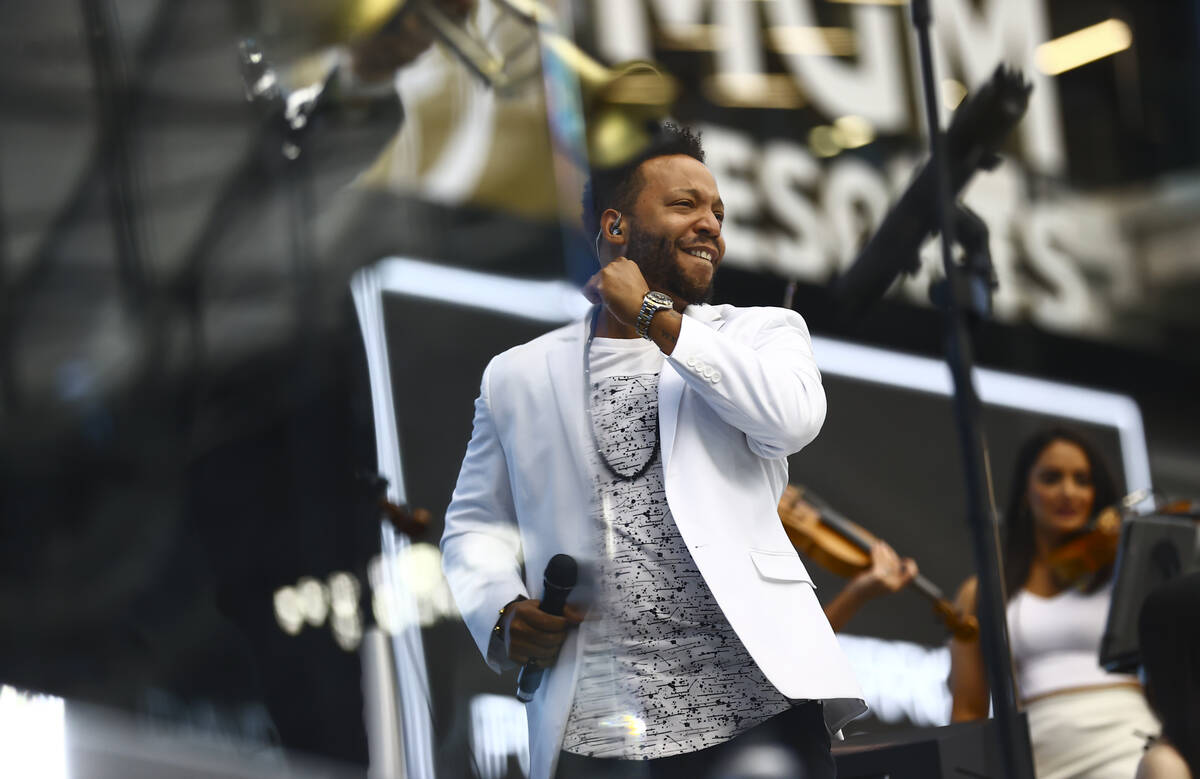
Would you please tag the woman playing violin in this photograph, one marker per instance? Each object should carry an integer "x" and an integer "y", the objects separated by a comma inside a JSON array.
[{"x": 1083, "y": 721}]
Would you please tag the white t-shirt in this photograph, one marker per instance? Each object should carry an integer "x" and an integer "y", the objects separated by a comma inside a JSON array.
[{"x": 1056, "y": 641}]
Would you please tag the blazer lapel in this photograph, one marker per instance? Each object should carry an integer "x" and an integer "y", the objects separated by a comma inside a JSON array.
[{"x": 564, "y": 367}]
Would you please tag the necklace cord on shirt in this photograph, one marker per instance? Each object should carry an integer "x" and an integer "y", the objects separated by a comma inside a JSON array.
[{"x": 594, "y": 317}]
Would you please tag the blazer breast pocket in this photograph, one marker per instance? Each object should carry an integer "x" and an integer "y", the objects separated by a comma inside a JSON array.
[{"x": 780, "y": 566}]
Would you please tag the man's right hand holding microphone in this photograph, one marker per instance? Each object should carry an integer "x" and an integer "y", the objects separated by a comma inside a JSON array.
[{"x": 532, "y": 635}]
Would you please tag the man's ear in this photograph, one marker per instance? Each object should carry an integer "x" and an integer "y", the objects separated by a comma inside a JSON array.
[{"x": 612, "y": 227}]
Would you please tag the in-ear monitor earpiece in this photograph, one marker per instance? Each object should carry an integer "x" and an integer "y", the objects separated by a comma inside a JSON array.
[{"x": 613, "y": 229}]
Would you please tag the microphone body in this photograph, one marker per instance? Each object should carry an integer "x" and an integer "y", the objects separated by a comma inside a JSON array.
[
  {"x": 558, "y": 581},
  {"x": 976, "y": 132}
]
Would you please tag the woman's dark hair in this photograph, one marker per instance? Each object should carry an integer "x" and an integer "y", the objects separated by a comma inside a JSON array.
[
  {"x": 618, "y": 187},
  {"x": 1169, "y": 639},
  {"x": 1018, "y": 518}
]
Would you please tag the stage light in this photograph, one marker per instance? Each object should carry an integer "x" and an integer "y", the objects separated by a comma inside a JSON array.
[
  {"x": 347, "y": 631},
  {"x": 1083, "y": 46},
  {"x": 421, "y": 565},
  {"x": 383, "y": 608},
  {"x": 313, "y": 600},
  {"x": 343, "y": 593},
  {"x": 287, "y": 610},
  {"x": 852, "y": 132},
  {"x": 822, "y": 141}
]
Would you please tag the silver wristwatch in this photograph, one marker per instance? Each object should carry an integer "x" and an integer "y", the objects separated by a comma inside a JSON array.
[{"x": 652, "y": 303}]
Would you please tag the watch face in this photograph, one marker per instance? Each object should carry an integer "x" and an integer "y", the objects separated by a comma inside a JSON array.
[{"x": 661, "y": 298}]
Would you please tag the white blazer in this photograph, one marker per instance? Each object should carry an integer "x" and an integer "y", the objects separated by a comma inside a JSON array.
[{"x": 738, "y": 394}]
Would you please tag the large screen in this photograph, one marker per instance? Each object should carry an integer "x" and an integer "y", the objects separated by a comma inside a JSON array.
[{"x": 887, "y": 458}]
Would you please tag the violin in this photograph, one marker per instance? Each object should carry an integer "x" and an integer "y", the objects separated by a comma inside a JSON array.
[
  {"x": 844, "y": 548},
  {"x": 1088, "y": 551},
  {"x": 1093, "y": 548}
]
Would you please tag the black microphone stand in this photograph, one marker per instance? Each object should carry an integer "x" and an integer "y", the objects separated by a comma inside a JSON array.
[{"x": 960, "y": 300}]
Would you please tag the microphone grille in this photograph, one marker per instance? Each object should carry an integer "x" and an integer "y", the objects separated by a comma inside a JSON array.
[{"x": 562, "y": 571}]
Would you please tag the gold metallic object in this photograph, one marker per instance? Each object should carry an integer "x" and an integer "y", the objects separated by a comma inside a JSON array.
[
  {"x": 618, "y": 103},
  {"x": 315, "y": 24}
]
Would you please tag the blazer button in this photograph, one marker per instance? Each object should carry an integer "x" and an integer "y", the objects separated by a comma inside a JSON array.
[
  {"x": 691, "y": 362},
  {"x": 716, "y": 376}
]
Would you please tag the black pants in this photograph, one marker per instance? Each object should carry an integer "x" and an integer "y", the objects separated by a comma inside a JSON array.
[{"x": 791, "y": 745}]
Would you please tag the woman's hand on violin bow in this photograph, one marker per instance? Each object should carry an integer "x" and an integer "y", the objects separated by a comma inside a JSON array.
[{"x": 887, "y": 574}]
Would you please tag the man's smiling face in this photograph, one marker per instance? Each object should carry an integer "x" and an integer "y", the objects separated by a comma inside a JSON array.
[{"x": 675, "y": 233}]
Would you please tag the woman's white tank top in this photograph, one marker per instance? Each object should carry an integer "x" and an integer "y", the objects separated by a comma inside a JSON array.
[{"x": 1056, "y": 641}]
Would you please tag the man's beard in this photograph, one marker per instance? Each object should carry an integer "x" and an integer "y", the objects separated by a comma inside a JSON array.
[{"x": 655, "y": 256}]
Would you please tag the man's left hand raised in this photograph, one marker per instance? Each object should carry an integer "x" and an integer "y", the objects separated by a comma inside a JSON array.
[{"x": 620, "y": 287}]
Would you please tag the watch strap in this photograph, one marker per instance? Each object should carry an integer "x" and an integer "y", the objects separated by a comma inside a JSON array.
[{"x": 650, "y": 307}]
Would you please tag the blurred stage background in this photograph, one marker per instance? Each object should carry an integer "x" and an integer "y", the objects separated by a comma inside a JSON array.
[{"x": 185, "y": 407}]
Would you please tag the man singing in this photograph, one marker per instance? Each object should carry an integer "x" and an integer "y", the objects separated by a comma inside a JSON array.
[{"x": 649, "y": 442}]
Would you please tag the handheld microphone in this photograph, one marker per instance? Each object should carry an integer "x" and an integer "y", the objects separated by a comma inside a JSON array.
[
  {"x": 558, "y": 581},
  {"x": 976, "y": 132}
]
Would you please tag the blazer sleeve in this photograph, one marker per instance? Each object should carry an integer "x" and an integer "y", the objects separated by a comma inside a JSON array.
[
  {"x": 481, "y": 545},
  {"x": 767, "y": 386}
]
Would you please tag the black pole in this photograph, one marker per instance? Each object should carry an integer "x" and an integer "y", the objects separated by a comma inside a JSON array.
[
  {"x": 8, "y": 374},
  {"x": 1015, "y": 749},
  {"x": 117, "y": 92}
]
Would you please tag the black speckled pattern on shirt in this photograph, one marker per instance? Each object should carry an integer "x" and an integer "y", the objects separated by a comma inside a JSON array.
[{"x": 662, "y": 672}]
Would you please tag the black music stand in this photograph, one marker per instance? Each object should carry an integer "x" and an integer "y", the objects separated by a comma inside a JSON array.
[{"x": 1153, "y": 550}]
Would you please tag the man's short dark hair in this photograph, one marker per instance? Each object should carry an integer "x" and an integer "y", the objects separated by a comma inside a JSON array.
[{"x": 618, "y": 187}]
